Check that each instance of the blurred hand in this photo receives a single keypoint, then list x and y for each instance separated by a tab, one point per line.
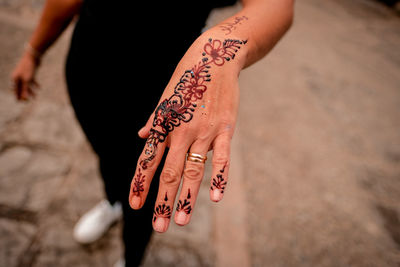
197	112
23	77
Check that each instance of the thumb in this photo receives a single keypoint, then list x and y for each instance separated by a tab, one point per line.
144	132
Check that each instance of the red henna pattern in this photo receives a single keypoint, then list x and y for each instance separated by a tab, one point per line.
162	210
180	106
219	181
138	183
185	204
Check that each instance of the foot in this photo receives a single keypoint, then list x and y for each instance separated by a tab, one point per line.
95	223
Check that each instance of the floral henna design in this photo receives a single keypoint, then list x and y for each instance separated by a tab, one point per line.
219	182
185	204
179	107
138	183
162	210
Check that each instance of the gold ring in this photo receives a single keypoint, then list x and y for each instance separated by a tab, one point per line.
196	158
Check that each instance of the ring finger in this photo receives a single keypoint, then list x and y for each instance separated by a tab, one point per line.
192	176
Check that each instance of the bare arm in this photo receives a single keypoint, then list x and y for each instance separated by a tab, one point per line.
56	16
272	18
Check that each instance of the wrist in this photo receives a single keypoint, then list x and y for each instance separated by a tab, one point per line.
238	61
32	54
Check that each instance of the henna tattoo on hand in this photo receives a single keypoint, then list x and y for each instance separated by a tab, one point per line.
162	210
228	27
179	107
219	181
185	204
138	183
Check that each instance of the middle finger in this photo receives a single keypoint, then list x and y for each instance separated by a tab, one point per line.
170	179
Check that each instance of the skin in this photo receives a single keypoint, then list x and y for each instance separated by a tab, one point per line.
211	127
213	115
55	17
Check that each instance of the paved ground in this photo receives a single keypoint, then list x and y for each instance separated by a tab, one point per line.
316	173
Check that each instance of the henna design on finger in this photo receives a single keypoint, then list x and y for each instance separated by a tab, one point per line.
162	210
180	106
185	204
219	181
138	183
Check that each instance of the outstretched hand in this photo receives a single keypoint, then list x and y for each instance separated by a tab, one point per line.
197	113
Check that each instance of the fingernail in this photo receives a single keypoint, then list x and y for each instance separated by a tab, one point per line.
216	195
135	202
160	225
181	218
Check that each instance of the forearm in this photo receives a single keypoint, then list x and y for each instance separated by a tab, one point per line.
56	16
261	22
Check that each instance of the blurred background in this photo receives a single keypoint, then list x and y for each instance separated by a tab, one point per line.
315	176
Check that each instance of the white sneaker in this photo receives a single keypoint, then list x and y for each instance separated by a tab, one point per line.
94	223
120	263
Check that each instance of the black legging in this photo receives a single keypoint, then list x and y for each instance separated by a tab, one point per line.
111	109
118	147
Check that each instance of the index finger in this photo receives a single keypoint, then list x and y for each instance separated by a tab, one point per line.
146	167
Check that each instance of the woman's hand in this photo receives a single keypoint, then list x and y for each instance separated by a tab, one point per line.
196	113
23	77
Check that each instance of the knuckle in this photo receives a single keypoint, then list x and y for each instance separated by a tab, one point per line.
219	158
203	139
223	141
205	132
193	172
169	176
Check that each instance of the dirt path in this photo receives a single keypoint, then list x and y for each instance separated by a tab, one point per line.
320	138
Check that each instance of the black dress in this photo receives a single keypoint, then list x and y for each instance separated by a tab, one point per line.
122	55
